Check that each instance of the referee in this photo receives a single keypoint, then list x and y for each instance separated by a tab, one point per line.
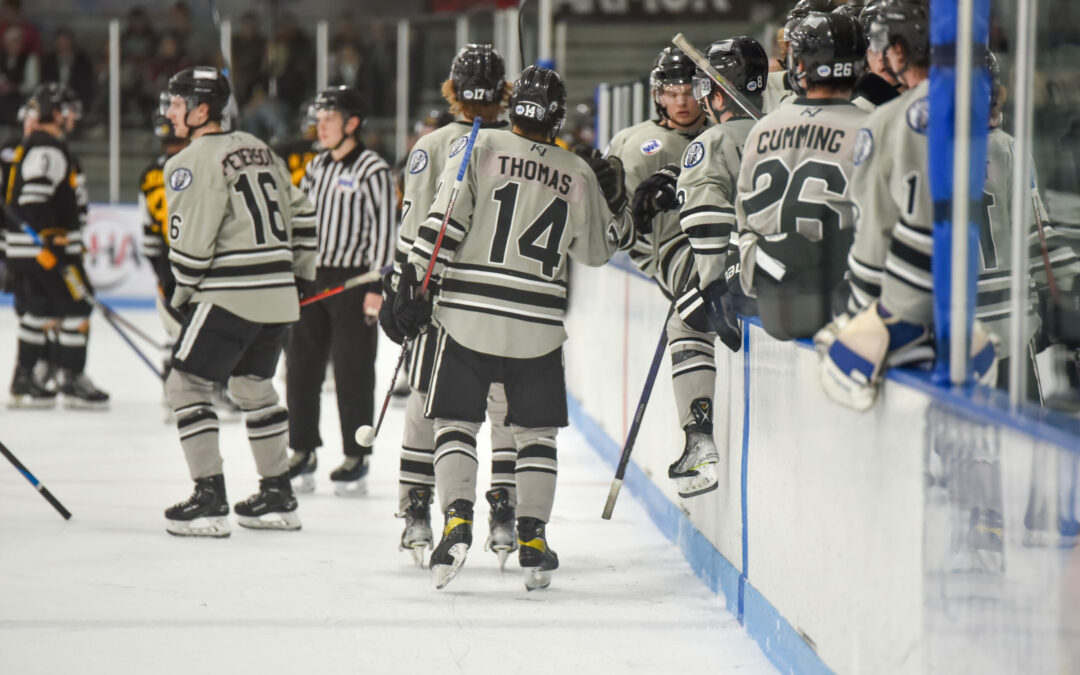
353	193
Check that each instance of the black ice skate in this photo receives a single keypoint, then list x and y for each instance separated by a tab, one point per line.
501	537
695	471
79	393
535	556
273	507
28	393
350	478
204	514
417	515
449	555
302	467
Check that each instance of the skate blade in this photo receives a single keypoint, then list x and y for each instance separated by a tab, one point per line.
704	481
76	403
271	521
217	526
503	554
417	552
536	578
351	489
444	574
22	402
304	483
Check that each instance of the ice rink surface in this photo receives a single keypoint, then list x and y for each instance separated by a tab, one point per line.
110	592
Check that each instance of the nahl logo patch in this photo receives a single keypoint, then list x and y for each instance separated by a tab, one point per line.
418	162
864	146
695	152
459	145
180	179
651	147
918	115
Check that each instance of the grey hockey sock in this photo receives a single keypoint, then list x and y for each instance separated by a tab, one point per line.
455	461
417	467
198	427
268	433
537	469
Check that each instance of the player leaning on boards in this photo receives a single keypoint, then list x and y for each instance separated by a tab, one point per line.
525	205
891	289
356	213
240	235
794	208
477	87
46	193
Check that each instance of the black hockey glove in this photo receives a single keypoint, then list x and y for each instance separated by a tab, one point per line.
305	288
725	301
412	310
609	175
386	312
655	194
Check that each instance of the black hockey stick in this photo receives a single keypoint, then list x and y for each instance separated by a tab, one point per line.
631	436
366	434
35	482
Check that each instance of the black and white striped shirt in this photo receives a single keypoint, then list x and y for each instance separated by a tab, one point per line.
356	208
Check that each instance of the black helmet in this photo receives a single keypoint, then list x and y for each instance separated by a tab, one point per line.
852	8
996	85
830	47
742	60
478	74
201	84
802	9
902	21
671	66
49	98
346	100
538	101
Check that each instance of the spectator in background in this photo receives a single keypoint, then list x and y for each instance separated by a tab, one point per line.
138	44
346	32
347	64
378	71
249	57
292	63
70	66
11	15
168	60
19	74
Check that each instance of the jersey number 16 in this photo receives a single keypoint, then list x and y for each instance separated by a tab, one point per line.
266	205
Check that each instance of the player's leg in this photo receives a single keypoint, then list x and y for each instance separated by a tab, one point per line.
502	497
457	399
416	477
536	407
693	379
305	367
353	346
32	306
267	421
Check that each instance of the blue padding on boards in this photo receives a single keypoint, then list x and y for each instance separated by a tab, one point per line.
6	300
780	642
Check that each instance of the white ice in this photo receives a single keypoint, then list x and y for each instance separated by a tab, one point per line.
110	592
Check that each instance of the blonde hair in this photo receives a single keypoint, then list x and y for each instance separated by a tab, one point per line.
489	112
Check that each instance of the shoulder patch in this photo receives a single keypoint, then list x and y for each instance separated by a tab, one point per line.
918	115
459	145
418	162
7	155
864	146
695	152
651	147
180	179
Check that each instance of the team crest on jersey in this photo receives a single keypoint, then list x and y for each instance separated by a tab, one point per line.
918	115
864	145
459	145
651	147
695	152
7	155
180	179
418	162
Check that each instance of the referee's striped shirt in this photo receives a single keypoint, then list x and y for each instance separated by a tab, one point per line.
356	209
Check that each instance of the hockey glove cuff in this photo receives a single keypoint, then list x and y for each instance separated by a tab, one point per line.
386	312
412	309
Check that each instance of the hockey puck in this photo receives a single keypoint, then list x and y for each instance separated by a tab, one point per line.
365	435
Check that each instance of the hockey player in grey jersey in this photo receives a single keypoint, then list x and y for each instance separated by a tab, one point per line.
794	206
476	87
877	85
240	235
525	207
890	262
693	250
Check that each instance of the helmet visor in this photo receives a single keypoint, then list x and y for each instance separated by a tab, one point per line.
879	37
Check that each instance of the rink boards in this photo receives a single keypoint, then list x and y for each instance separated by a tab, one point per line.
842	540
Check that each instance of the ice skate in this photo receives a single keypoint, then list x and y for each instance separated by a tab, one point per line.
417	515
535	556
28	393
501	538
449	555
204	514
78	392
350	479
302	467
695	471
273	507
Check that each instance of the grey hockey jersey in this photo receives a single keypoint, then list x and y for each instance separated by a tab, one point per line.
239	230
523	209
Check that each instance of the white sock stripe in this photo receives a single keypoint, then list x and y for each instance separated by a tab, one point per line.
31	336
199	427
269	432
537	463
180	412
417	456
510	452
33	321
192	331
72	322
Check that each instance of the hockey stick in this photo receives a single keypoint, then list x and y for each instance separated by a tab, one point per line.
109	311
124	336
359	280
700	61
639	414
366	434
35	482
